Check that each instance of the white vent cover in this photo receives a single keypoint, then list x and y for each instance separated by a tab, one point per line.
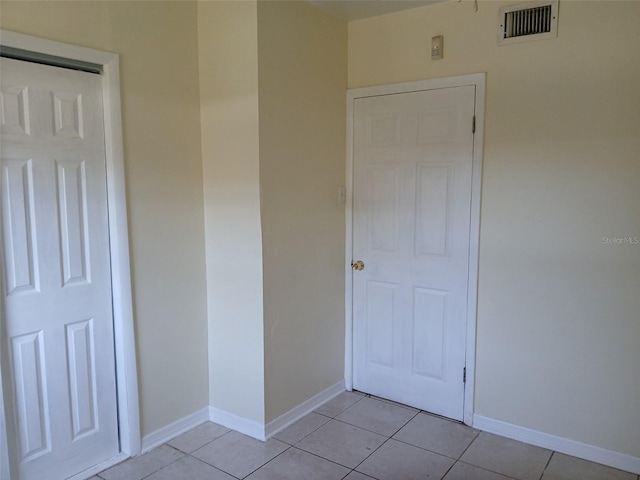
524	22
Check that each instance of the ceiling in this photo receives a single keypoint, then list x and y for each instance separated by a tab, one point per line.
356	9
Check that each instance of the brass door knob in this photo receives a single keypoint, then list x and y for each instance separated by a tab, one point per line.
358	265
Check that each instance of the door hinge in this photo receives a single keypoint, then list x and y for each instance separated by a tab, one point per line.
473	125
464	375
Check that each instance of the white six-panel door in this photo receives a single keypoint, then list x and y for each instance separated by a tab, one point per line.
411	222
57	285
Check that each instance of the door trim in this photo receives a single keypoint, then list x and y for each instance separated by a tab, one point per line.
125	353
478	80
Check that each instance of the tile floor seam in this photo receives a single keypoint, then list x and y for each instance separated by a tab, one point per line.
168	443
553	452
155	471
433	451
342	411
352	405
213	466
333	461
373	431
454	469
410	445
511	440
449	469
354	471
431	414
324	458
318	413
404	425
164	466
468	446
425	449
293	444
253	471
265	463
391	402
374	451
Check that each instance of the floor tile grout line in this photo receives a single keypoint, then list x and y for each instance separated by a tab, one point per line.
468	446
213	466
404	425
182	455
332	461
324	458
345	409
553	452
373	431
316	429
288	446
355	426
416	413
485	468
316	412
168	443
425	449
448	470
266	463
368	456
391	402
473	464
200	447
170	463
455	459
392	437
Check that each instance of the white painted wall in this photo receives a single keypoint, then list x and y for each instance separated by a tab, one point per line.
558	324
158	44
228	50
558	327
272	83
302	71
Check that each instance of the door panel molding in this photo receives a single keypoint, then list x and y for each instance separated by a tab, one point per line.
477	80
127	381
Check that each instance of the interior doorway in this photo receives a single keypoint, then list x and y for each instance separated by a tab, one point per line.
412	226
25	441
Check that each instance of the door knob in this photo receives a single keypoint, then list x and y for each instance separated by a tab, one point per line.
359	265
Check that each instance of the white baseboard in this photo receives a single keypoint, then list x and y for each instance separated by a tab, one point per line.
226	419
164	434
239	424
296	413
592	453
90	472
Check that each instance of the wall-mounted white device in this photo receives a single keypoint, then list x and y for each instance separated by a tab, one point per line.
437	44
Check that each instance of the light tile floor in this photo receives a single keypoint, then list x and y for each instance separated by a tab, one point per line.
357	437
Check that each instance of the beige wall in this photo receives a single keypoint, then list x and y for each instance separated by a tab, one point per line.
229	111
557	324
163	167
302	60
558	327
272	83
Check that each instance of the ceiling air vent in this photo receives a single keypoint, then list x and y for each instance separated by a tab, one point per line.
528	21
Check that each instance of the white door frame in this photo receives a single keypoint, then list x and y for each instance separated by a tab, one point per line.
478	80
126	369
